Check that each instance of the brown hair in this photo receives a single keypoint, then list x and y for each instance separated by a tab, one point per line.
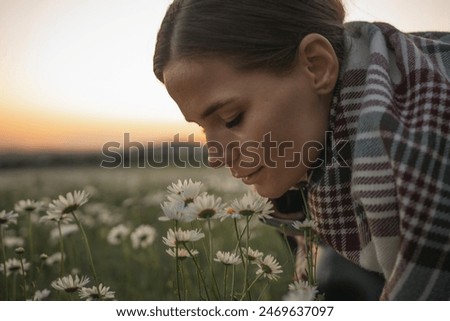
252	34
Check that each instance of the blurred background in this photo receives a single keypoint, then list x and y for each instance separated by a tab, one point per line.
77	74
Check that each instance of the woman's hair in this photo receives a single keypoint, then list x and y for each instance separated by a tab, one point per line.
251	34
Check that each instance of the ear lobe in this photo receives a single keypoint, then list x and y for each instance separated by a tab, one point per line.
318	56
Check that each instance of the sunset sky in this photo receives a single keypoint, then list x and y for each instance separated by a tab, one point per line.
75	74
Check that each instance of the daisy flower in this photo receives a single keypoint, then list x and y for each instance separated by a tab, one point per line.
175	210
117	234
14	266
65	230
227	258
61	218
205	207
185	191
307	223
7	218
13	241
254	256
301	291
269	268
94	293
40	295
28	206
68	204
69	283
179	236
53	259
250	204
182	253
143	236
263	206
229	212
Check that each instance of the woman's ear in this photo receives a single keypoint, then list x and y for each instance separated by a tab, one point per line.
318	58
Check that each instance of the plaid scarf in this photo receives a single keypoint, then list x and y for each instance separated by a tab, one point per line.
383	199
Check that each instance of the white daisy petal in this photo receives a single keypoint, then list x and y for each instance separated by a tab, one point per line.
143	236
101	293
205	207
301	291
14	266
69	283
227	258
182	253
307	223
250	204
269	268
175	210
7	218
185	191
180	237
117	234
28	206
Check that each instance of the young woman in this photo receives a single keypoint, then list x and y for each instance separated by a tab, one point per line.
287	93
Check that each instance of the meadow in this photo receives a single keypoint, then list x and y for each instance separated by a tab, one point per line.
131	197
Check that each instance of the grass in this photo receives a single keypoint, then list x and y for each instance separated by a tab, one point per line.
131	197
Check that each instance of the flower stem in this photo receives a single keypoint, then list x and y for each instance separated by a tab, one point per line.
88	249
61	250
291	255
177	266
14	286
263	290
183	281
247	262
24	280
4	262
202	277
211	268
232	282
251	285
225	282
30	236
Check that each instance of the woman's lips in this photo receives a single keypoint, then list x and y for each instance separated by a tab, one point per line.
250	178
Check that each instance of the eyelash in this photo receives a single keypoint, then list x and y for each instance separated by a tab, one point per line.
236	121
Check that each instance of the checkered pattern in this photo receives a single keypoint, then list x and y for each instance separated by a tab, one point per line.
389	210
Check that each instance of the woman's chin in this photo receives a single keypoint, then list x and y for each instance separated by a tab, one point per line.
269	191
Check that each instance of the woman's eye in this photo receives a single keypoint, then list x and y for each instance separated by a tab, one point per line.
235	121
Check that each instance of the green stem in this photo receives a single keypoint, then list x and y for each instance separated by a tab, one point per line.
30	236
88	249
24	280
202	277
291	255
4	262
232	282
263	290
14	286
61	250
199	285
251	285
247	262
183	282
225	282
211	268
315	263
177	264
308	252
305	203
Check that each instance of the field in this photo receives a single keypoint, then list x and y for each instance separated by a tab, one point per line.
131	197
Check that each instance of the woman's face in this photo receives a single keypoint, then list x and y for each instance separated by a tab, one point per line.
266	128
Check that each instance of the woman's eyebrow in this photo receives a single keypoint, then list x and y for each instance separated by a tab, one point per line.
215	106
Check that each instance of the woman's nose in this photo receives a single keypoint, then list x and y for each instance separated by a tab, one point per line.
222	154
